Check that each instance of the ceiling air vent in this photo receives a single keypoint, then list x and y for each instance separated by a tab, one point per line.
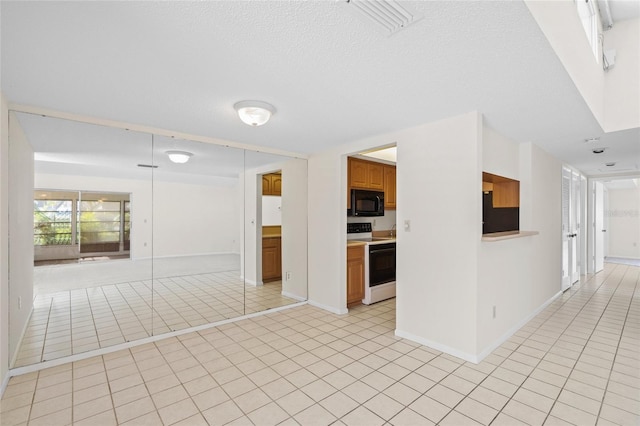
388	16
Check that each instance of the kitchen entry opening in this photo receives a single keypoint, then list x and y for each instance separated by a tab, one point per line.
71	226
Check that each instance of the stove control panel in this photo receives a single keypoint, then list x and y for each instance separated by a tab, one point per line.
358	228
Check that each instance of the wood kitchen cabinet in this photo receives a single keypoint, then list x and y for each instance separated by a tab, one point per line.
389	187
506	192
355	274
272	184
271	259
366	174
363	174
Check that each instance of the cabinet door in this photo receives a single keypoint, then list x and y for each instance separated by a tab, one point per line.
358	177
276	184
266	185
375	175
506	194
355	274
389	187
271	259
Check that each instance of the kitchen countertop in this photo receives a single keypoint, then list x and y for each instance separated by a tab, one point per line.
356	243
372	241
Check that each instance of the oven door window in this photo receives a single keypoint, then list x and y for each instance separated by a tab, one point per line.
382	264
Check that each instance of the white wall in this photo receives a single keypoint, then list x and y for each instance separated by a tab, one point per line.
195	219
294	225
520	276
294	228
271	210
621	82
251	251
500	155
327	231
21	233
561	25
174	218
4	243
624	223
437	259
613	96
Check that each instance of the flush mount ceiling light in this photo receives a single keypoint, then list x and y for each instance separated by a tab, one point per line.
254	113
179	157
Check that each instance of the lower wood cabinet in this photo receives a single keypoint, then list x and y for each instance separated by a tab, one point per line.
271	259
355	275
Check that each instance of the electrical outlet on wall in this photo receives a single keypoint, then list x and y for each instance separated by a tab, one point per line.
19	302
288	276
494	311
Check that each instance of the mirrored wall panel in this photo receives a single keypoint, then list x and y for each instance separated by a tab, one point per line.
120	235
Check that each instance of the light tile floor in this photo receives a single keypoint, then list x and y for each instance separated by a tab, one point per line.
576	363
75	321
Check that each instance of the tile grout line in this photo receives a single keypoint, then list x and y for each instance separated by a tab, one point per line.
605	281
604	395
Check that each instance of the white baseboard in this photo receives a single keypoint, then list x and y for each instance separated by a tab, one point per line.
103	351
293	296
328	308
183	255
253	283
487	351
437	346
3	385
14	356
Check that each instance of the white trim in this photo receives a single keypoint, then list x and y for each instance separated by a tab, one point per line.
213	253
437	346
4	384
476	359
148	129
331	309
78	357
293	296
14	356
483	354
254	283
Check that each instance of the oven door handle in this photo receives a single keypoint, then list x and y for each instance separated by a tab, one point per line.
377	251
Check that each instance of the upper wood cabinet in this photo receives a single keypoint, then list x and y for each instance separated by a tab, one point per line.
363	174
389	187
272	184
366	174
506	192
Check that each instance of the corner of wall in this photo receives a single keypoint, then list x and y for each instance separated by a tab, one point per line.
4	244
561	25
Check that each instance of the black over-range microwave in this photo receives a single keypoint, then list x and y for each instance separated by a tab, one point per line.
366	203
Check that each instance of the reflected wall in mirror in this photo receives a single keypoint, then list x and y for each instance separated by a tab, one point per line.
196	239
132	244
89	274
275	231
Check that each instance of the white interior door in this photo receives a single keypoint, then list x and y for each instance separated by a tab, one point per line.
598	227
566	233
574	229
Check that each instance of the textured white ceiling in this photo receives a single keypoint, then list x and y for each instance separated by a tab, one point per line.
182	65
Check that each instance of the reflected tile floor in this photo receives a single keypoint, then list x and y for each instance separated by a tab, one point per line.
75	321
576	363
